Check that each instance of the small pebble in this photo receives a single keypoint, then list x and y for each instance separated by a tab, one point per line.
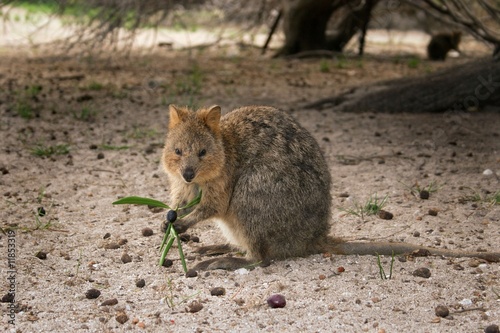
121	317
421	253
424	194
41	255
487	172
322	276
141	325
106	235
441	311
492	329
111	246
242	271
140	283
8	298
416	234
195	306
110	302
126	258
473	263
385	215
167	263
122	241
191	273
100	156
433	212
185	237
146	232
276	301
465	302
422	272
92	293
217	291
195	239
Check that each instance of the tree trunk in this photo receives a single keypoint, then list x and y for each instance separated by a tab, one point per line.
468	87
305	23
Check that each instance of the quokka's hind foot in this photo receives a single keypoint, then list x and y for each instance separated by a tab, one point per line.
227	263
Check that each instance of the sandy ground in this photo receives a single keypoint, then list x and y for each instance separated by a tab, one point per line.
107	119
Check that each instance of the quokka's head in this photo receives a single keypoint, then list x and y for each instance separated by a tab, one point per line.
193	148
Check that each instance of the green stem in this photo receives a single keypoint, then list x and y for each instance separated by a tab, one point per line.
181	254
167	248
167	232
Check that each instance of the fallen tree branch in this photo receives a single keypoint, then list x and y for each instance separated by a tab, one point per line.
462	88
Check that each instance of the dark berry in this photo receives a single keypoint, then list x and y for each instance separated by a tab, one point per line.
276	301
171	216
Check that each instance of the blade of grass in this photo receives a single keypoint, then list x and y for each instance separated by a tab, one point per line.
141	201
381	269
392	265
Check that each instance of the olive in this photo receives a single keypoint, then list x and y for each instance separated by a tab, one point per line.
171	216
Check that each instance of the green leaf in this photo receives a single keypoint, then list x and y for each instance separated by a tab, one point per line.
141	201
193	202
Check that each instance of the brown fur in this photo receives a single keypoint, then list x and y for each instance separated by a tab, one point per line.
442	43
263	179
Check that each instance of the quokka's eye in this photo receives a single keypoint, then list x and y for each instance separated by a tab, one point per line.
202	153
178	151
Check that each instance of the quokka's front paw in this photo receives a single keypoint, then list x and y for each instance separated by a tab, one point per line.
178	226
164	226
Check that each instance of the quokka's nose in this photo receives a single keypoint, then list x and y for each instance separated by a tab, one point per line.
188	174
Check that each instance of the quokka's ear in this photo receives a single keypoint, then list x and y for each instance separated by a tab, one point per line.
211	117
176	115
